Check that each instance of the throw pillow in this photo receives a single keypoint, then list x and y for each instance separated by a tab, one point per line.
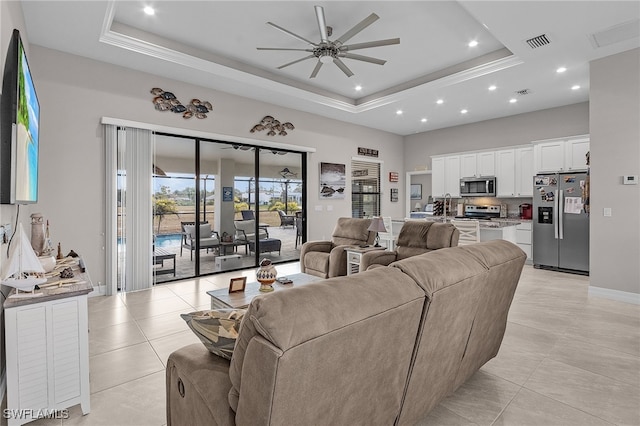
205	230
217	329
190	230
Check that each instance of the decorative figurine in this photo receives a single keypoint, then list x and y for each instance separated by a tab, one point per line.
37	233
60	256
266	275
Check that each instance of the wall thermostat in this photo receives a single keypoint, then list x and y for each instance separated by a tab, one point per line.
630	179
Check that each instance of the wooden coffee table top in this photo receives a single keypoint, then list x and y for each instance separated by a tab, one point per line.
221	298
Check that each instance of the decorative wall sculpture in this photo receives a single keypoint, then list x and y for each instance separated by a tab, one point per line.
273	126
167	101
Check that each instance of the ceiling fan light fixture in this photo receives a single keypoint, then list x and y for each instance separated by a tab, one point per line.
326	57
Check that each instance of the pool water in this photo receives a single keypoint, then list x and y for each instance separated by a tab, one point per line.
168	240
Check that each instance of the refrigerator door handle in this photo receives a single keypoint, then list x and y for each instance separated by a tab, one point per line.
560	214
555	216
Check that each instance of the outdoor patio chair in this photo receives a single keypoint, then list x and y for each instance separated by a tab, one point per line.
286	220
208	239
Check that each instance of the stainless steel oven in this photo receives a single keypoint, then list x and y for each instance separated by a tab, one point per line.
478	187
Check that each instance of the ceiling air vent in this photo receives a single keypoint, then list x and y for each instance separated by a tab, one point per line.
538	41
522	92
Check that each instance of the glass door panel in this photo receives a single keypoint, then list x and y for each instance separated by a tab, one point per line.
174	208
280	205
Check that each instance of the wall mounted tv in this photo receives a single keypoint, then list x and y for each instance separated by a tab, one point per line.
19	129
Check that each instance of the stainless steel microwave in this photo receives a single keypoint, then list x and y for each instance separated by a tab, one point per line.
478	187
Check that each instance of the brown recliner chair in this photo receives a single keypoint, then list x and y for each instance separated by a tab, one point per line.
416	237
328	259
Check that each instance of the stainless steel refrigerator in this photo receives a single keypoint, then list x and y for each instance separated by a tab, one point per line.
560	223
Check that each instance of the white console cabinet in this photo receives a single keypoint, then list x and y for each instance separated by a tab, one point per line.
47	353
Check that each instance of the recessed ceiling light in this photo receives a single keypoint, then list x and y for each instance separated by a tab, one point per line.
424	120
473	43
492	87
439	101
561	70
149	10
513	100
358	88
575	87
463	111
399	112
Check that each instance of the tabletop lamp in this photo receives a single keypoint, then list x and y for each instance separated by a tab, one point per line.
377	225
418	207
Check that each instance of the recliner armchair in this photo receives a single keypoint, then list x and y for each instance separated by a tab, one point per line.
328	259
416	237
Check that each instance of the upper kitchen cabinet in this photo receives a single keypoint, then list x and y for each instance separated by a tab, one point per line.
575	153
524	172
505	173
445	176
477	164
561	155
514	172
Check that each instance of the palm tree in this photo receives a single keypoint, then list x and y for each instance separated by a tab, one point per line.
163	206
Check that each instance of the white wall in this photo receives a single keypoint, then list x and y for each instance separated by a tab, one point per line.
75	93
615	151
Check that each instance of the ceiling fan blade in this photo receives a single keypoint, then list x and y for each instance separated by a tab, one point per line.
342	66
322	24
296	61
362	58
291	34
316	69
284	48
368	44
358	27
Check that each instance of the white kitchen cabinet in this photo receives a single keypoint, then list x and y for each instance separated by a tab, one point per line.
468	167
505	173
549	156
524	172
452	175
47	348
486	163
523	238
437	177
575	154
561	155
477	164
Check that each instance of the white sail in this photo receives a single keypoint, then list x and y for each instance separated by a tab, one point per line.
22	260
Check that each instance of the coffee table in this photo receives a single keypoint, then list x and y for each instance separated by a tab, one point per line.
222	299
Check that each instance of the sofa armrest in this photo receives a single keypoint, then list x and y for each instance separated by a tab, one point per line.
311	246
338	261
377	257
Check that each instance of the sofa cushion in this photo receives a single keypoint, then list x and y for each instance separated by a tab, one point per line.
217	329
351	231
317	261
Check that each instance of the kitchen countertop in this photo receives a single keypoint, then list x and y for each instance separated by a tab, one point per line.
495	223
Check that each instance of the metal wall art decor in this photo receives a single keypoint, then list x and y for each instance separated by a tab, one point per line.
167	101
273	126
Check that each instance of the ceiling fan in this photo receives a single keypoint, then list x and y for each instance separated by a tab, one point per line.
332	51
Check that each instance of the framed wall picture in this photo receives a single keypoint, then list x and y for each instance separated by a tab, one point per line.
394	195
393	177
227	193
333	180
237	284
416	191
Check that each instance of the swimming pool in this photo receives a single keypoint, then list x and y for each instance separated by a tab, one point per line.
168	240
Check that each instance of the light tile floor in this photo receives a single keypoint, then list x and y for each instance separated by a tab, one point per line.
566	359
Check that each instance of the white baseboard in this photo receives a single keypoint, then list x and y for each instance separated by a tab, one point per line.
621	296
99	290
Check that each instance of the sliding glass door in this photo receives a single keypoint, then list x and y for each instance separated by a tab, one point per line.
185	207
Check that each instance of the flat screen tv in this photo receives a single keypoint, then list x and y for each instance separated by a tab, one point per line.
19	129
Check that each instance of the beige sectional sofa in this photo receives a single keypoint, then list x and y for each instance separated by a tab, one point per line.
381	347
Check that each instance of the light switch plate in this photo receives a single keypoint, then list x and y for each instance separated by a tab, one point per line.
630	180
606	211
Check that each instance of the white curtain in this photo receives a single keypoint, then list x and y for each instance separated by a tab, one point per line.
129	190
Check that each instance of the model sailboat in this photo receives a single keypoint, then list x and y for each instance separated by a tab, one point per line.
23	262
